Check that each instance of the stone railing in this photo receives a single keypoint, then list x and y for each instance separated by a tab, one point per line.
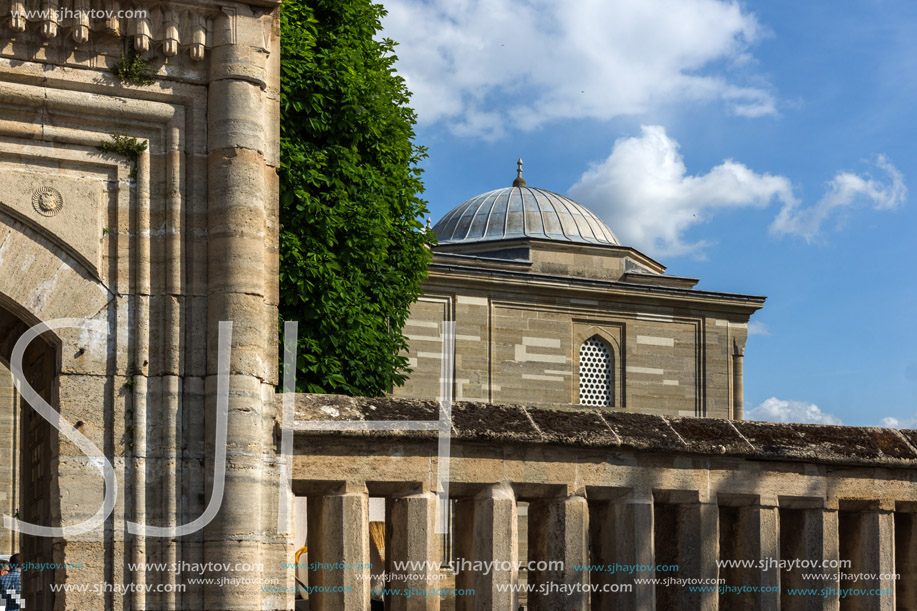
606	487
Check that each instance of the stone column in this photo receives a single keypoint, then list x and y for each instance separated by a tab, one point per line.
338	535
759	541
413	540
623	534
486	531
906	560
558	531
496	540
868	539
240	193
817	540
822	530
698	551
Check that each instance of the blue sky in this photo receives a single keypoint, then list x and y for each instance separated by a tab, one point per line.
765	148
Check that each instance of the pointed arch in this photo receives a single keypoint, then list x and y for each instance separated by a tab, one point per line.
596	373
40	281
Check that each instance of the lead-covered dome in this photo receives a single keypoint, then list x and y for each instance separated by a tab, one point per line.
521	211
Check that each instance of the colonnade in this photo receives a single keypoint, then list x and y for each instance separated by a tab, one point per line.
646	529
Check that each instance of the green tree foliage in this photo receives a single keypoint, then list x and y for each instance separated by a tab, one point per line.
352	252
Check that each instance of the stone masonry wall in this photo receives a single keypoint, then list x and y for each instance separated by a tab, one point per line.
523	346
159	249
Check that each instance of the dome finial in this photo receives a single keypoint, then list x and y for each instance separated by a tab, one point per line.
519	182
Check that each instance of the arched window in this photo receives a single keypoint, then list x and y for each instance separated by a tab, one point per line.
596	378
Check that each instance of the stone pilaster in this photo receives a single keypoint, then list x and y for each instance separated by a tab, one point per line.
494	539
414	540
558	531
623	534
9	457
868	539
738	382
698	551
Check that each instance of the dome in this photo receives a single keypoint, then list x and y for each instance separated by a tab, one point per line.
522	211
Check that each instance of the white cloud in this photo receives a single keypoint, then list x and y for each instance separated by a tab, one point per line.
645	194
482	65
643	191
846	190
897	423
780	410
758	328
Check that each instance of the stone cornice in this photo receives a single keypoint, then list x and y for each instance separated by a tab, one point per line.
599	250
444	275
169	28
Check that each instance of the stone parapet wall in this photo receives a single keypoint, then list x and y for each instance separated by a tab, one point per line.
618	430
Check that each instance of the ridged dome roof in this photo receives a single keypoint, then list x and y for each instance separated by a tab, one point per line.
521	211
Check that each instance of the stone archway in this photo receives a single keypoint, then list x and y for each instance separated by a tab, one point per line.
72	371
28	444
160	246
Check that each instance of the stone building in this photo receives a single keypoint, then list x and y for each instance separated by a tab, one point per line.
550	308
117	269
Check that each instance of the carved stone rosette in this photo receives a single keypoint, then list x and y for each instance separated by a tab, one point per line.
47	201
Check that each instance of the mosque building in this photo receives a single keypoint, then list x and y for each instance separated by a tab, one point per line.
550	308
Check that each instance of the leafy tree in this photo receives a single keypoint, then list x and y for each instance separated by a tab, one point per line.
352	250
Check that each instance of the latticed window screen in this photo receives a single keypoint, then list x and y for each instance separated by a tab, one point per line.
596	383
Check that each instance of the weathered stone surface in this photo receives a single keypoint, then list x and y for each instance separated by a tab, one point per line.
506	423
585	427
155	248
710	436
344	408
559	531
644	432
412	539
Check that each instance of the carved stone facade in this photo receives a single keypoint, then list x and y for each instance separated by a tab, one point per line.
527	293
159	250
